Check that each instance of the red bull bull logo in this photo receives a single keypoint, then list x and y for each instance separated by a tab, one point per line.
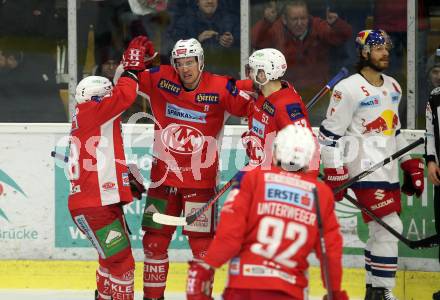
386	123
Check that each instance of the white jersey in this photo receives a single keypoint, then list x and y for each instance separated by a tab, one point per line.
367	118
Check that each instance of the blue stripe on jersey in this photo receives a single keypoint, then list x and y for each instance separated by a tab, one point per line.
329	134
375	185
386	274
367	255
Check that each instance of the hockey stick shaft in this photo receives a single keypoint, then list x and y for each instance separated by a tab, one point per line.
341	75
191	218
325	266
379	165
429	242
369	213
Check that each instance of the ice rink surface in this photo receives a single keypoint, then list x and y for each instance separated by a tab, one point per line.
77	295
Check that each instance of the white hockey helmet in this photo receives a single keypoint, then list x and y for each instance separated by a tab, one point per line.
293	148
188	48
271	61
92	88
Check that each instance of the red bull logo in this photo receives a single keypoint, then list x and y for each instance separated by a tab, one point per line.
386	123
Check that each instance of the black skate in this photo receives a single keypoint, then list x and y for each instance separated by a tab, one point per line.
436	296
368	288
379	293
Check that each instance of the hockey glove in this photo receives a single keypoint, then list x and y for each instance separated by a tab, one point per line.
136	181
334	178
200	280
133	58
413	178
338	295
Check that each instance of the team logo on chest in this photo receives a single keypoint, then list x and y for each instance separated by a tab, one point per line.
182	139
208	98
169	86
269	108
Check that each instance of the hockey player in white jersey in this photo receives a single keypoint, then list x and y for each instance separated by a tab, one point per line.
361	128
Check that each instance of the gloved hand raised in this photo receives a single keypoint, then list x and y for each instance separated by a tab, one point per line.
139	54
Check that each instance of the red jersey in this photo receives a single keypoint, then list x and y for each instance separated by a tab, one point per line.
189	125
97	169
268	227
269	116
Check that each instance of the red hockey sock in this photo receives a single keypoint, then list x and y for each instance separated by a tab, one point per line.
122	286
155	277
103	284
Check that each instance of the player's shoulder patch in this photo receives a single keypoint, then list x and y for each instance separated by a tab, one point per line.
269	108
231	87
154	69
294	111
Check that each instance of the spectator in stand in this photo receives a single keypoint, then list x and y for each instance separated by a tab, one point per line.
217	30
305	42
433	70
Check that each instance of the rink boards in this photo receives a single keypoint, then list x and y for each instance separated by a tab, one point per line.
35	223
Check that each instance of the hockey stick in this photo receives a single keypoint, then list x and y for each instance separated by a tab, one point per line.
379	164
341	75
183	221
325	267
429	242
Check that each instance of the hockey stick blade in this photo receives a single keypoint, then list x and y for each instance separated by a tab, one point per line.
429	242
169	220
188	220
379	164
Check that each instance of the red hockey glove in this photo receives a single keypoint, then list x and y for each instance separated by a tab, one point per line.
413	179
200	280
136	181
334	178
338	295
133	58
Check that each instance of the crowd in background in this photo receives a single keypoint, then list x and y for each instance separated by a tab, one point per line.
316	36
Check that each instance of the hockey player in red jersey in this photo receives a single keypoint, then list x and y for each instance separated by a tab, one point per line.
268	227
278	104
190	107
100	179
363	124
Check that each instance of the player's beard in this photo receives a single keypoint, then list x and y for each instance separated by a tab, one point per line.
375	64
